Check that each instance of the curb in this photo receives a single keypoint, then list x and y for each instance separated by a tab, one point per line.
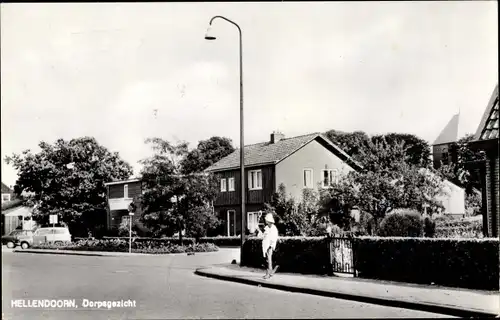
104	254
420	306
66	253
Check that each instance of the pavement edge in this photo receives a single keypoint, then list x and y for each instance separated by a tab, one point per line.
420	306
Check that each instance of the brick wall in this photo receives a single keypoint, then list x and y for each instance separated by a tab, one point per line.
492	196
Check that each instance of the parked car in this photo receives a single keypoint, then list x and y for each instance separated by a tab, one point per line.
23	238
51	234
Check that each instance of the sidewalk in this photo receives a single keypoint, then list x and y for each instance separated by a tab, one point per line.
451	301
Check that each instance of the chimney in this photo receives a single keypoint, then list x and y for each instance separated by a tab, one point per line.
276	136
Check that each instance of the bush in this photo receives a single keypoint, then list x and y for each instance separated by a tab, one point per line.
174	240
406	223
120	245
429	227
222	241
308	255
463	228
465	263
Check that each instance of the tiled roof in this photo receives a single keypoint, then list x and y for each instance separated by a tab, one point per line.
5	189
450	132
488	127
271	153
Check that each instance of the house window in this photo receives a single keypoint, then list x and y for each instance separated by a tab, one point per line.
231	184
308	178
223	186
255	179
5	197
125	191
253	220
330	176
445	158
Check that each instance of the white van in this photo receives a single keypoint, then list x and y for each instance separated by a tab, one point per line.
51	234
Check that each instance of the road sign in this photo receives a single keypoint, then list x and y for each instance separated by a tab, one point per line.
53	218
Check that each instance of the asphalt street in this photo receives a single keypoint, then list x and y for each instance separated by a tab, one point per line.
162	287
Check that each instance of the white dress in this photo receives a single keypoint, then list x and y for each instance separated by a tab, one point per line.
270	238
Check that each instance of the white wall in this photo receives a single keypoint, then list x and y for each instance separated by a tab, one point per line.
314	156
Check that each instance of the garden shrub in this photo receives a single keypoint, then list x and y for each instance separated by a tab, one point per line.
429	227
465	263
308	255
407	223
222	241
120	245
463	228
173	240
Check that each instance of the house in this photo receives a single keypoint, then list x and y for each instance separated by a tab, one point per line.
452	198
7	193
120	195
486	139
444	149
299	162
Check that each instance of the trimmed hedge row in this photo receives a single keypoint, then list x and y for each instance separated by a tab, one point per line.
222	241
465	263
120	245
172	240
293	254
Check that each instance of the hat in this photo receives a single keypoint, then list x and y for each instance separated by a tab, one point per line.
269	218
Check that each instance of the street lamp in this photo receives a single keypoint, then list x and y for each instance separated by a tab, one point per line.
209	36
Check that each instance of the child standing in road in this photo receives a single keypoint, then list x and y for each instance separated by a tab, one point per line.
269	240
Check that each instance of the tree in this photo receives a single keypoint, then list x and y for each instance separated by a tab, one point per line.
289	220
418	151
56	188
353	143
458	171
388	182
206	153
172	200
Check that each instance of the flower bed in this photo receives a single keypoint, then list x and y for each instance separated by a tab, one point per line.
120	245
465	263
308	255
464	228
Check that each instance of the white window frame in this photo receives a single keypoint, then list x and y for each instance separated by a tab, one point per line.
223	185
304	178
258	184
254	221
125	191
230	183
332	177
6	195
229	222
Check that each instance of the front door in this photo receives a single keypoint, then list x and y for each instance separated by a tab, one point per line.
231	223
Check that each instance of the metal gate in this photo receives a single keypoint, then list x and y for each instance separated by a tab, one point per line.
342	255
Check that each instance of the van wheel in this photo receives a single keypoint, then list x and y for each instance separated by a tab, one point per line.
25	245
10	245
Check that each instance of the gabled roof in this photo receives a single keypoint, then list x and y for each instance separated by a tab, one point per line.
272	153
450	132
488	127
122	182
6	189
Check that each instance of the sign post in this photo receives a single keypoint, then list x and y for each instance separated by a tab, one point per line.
131	211
53	219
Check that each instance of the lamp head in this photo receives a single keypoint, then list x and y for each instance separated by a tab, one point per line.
209	35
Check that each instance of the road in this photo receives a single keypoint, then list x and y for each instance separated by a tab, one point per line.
163	287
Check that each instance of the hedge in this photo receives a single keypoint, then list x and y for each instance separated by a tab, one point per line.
465	263
120	245
173	240
222	241
307	255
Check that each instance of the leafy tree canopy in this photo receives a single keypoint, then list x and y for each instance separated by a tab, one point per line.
67	178
206	153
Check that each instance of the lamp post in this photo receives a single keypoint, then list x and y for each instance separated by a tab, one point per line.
208	36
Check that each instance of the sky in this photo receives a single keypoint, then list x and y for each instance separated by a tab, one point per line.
123	72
